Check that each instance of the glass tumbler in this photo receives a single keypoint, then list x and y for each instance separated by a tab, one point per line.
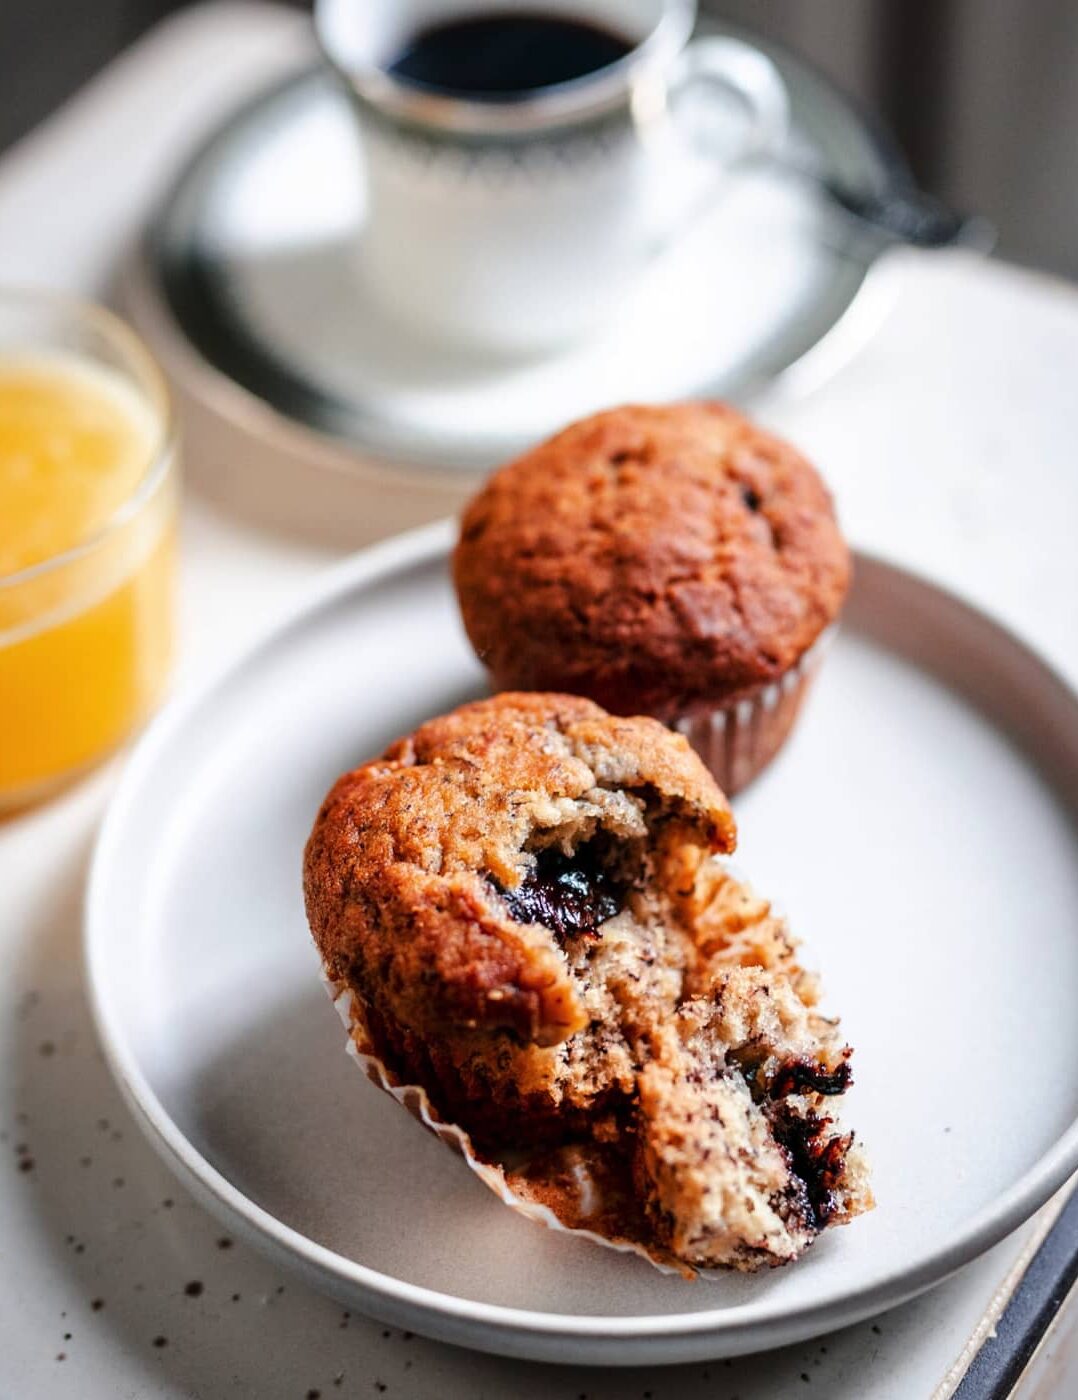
88	511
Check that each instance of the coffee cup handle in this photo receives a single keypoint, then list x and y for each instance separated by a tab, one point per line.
752	78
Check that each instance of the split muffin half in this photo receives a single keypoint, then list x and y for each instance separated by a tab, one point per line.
525	901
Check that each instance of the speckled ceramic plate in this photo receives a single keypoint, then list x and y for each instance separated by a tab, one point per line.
919	830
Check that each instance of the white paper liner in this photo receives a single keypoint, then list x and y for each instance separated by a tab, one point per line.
738	741
416	1101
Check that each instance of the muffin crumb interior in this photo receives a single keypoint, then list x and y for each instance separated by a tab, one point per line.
703	1060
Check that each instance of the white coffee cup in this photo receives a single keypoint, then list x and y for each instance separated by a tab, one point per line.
514	226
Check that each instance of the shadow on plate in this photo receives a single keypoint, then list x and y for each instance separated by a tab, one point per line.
290	1120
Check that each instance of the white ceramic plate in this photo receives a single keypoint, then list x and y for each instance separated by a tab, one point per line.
919	830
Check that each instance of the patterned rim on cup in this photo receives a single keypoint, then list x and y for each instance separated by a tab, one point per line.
572	103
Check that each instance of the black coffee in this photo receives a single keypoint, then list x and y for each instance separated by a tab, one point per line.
506	55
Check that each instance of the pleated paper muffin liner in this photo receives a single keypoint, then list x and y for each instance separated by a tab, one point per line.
738	740
493	1175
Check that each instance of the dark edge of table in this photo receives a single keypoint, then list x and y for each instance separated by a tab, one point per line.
1033	1306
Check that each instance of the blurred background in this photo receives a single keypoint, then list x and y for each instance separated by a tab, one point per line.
980	93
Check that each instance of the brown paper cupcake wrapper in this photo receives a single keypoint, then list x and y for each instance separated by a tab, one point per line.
739	740
416	1100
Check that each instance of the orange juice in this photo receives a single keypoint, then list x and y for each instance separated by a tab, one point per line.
87	527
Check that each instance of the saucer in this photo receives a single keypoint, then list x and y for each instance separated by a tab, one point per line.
249	288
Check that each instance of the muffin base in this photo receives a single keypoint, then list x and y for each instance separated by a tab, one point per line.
739	739
570	1195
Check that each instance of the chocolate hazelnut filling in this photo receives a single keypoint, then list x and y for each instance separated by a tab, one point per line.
570	895
816	1158
751	498
801	1075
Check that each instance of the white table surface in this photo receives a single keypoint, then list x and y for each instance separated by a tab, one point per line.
950	445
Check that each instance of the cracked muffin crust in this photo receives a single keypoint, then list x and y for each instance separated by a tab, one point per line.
668	560
524	901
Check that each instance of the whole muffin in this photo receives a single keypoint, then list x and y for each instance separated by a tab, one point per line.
675	561
520	903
